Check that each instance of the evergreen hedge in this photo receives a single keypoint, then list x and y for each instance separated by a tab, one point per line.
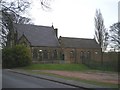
16	56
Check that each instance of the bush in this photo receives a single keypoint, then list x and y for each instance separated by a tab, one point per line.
16	56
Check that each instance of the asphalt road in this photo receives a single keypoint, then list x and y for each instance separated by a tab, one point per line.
15	80
0	78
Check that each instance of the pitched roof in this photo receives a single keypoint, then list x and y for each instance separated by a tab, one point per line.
37	35
78	42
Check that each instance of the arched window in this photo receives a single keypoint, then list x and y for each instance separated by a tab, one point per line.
45	54
81	55
72	54
61	55
40	54
24	43
35	53
55	54
88	55
96	52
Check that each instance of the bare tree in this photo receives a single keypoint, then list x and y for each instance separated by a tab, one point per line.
20	19
101	34
11	11
114	36
45	4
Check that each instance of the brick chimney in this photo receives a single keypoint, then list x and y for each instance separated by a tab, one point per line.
56	31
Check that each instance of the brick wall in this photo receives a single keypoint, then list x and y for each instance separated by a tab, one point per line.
45	54
73	55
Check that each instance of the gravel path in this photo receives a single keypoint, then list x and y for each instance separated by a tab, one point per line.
97	76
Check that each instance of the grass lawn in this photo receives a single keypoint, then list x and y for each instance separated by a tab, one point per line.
65	67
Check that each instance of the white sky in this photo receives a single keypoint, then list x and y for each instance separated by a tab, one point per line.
74	18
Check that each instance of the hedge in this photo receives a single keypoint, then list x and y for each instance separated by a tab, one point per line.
16	56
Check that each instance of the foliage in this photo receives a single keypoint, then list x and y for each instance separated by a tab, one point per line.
101	34
16	56
114	36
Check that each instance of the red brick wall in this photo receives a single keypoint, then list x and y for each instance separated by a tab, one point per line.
95	54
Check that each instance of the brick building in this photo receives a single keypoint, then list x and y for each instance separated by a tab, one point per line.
79	50
47	48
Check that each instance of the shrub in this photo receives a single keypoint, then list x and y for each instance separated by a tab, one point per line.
7	57
16	56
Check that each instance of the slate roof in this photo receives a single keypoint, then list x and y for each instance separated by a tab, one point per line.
37	35
78	42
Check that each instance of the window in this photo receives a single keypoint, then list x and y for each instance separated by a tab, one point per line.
40	54
61	56
45	54
81	55
85	55
55	54
96	52
88	55
72	54
35	53
24	43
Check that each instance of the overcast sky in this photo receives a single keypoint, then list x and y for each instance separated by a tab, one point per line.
74	18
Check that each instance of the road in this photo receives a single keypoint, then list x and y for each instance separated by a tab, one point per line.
15	80
0	78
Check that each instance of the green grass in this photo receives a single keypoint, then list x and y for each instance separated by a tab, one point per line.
65	67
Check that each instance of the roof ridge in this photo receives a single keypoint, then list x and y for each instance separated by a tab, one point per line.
37	35
77	38
33	25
